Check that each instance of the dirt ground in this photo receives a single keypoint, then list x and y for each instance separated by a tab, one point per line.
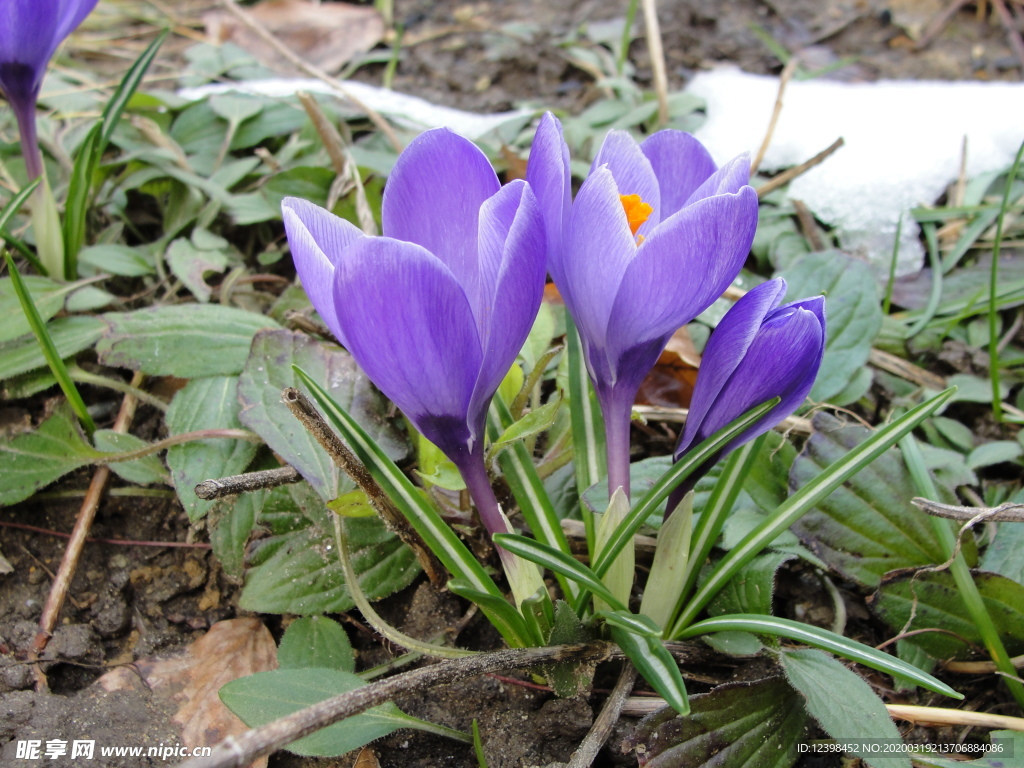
130	601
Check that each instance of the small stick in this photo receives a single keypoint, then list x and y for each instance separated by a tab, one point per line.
118	542
787	73
312	70
787	176
1004	513
208	490
678	416
657	52
941	716
906	370
979	667
803	215
68	564
938	23
241	750
1016	42
586	753
306	412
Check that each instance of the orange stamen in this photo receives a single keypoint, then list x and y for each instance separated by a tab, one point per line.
637	211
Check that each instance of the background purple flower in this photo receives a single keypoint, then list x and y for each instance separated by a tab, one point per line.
30	31
631	280
759	350
436	310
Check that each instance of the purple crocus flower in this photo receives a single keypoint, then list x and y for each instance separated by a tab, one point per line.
655	235
759	350
30	31
436	310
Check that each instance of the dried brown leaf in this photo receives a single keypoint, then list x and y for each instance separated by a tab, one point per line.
327	35
191	678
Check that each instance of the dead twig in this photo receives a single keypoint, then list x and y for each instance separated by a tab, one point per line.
241	750
787	73
1004	513
906	370
306	412
939	716
787	176
598	734
678	416
657	52
68	564
208	490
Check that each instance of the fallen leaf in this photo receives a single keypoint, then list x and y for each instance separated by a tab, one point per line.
367	758
192	677
327	35
670	383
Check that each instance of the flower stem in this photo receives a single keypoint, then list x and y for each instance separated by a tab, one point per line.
26	117
618	412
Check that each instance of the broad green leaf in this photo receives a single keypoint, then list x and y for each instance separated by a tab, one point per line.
316	641
996	452
754	725
569	679
643	475
842	703
854	314
205	403
819	638
531	424
655	664
48	296
191	265
1005	555
231	522
268	371
937	604
868	526
752	588
734	643
266	696
296	568
767	482
144	471
70	335
184	340
1005	750
35	459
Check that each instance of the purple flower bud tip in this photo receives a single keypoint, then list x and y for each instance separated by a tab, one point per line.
30	31
760	350
435	310
656	233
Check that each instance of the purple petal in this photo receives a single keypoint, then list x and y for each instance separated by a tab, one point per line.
632	172
730	342
433	198
317	238
512	239
728	179
782	361
681	269
681	164
410	328
27	33
599	250
549	177
72	13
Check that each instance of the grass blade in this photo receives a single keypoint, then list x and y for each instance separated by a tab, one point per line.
819	638
590	459
803	500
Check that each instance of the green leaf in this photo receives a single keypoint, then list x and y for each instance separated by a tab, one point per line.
505	618
655	664
752	588
937	603
191	265
1005	555
70	335
996	452
569	679
854	314
33	460
47	295
587	422
144	471
637	624
558	562
231	522
819	638
842	703
867	527
296	569
183	340
754	725
266	696
531	424
316	641
643	475
269	370
205	403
